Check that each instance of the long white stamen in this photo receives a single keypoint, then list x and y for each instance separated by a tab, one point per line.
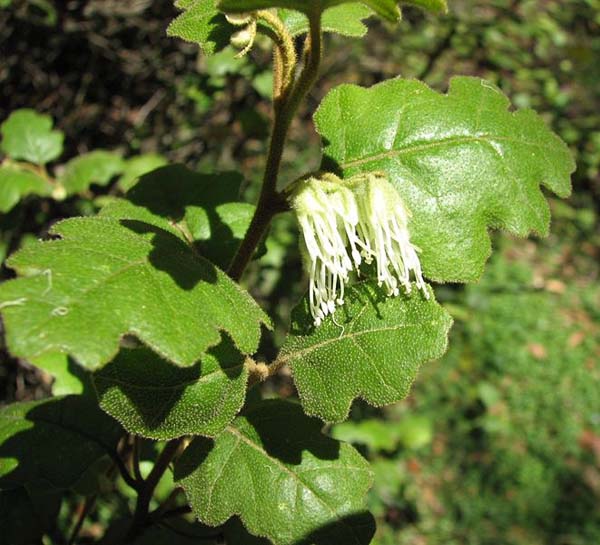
346	223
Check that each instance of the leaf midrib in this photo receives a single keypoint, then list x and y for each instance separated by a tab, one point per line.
245	439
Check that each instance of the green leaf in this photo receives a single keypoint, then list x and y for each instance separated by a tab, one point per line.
97	167
201	208
285	480
25	517
462	163
346	20
136	167
373	349
107	278
16	183
376	434
69	378
154	399
28	135
201	23
49	444
388	9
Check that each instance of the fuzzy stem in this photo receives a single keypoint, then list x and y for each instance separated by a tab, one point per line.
270	201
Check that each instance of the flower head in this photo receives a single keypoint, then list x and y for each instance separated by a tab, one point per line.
345	223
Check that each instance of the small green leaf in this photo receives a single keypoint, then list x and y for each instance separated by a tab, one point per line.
462	163
155	399
388	9
375	434
285	480
49	444
201	207
136	167
110	277
97	167
201	23
346	20
69	378
29	136
373	349
16	183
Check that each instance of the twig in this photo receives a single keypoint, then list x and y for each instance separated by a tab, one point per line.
88	505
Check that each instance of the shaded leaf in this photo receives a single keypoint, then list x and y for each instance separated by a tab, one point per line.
16	183
298	485
97	167
199	208
373	351
28	135
155	399
462	163
203	24
49	444
110	277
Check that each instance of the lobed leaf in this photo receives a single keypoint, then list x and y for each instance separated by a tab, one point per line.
49	444
29	136
203	24
152	398
16	183
372	350
97	167
297	485
462	163
109	277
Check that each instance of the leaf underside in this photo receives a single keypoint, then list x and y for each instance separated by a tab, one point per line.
462	163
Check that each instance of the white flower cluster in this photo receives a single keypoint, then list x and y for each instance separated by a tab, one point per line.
346	222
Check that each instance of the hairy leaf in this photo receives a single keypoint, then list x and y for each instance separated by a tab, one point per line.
285	480
110	277
16	183
155	399
462	163
49	444
372	350
28	135
96	167
203	24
